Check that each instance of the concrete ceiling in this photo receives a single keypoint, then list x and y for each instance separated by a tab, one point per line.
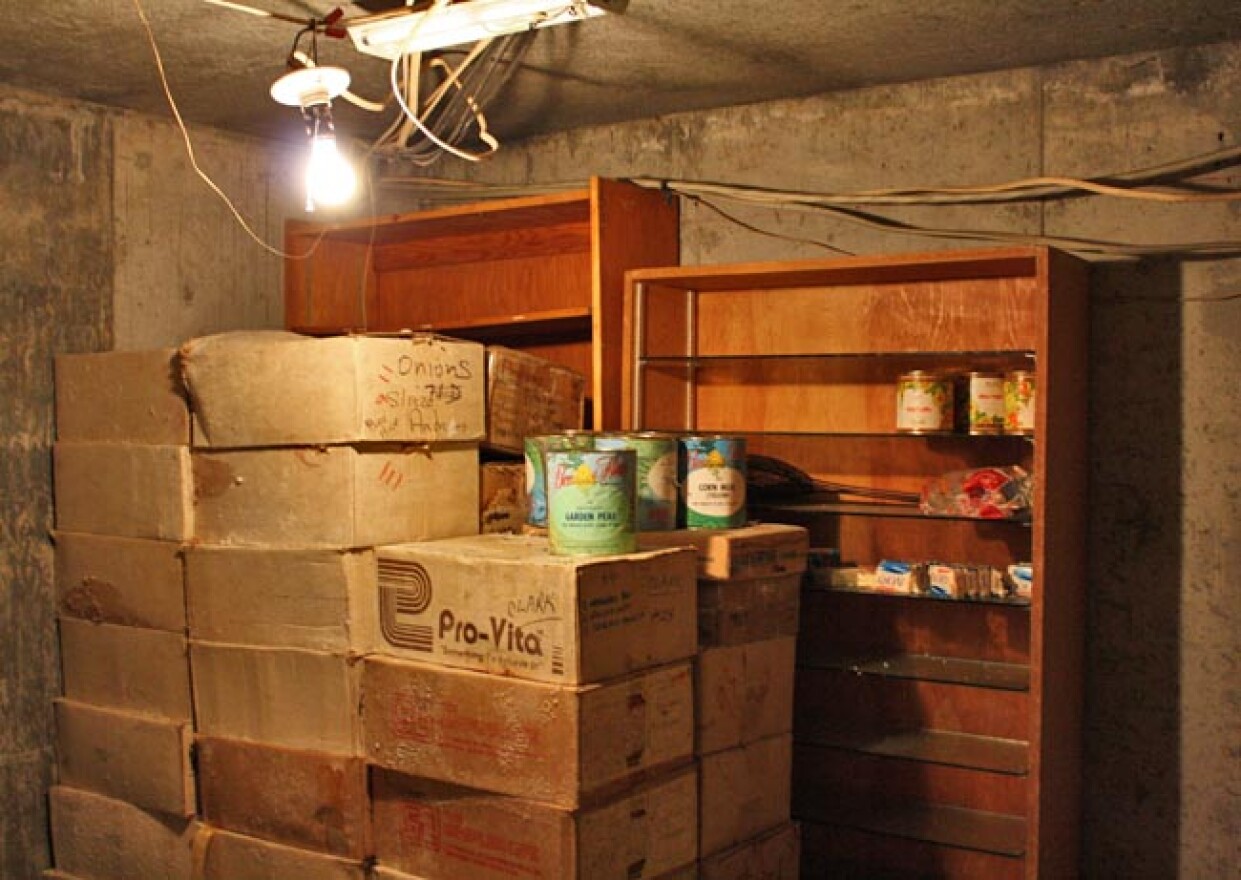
661	56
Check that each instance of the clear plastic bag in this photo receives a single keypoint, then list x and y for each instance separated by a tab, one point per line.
982	493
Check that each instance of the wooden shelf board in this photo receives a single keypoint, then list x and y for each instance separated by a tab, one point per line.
947	747
926	667
1013	601
904	511
553	322
918	354
947	826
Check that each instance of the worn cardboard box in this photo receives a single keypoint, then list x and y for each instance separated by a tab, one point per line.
528	395
501	497
754	551
281	389
226	856
122	396
125	489
743	792
544	742
743	693
282	696
126	667
336	496
441	832
100	838
319	599
504	604
748	610
773	855
127	581
125	755
312	800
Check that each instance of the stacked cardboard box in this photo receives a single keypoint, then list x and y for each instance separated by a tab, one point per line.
748	591
308	453
124	510
533	716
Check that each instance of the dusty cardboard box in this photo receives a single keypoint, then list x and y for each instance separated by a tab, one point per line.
227	856
281	389
743	792
528	395
127	581
336	496
439	832
743	693
282	696
501	497
122	396
101	838
760	550
551	743
125	755
313	800
504	604
318	599
126	489
773	855
126	667
748	610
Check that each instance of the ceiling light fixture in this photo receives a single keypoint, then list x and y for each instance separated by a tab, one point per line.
409	31
330	179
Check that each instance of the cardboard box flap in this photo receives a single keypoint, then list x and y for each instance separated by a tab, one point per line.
101	838
228	856
128	581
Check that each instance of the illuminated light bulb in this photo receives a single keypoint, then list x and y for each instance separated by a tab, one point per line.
330	178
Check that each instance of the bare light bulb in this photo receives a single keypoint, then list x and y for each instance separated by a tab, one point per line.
330	179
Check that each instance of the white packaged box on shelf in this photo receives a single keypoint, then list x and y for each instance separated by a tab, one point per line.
122	397
281	389
126	581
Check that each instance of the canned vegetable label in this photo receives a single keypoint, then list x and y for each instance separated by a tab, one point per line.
656	479
986	403
1019	402
713	477
923	403
590	500
536	449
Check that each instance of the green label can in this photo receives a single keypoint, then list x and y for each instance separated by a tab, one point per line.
536	449
713	482
657	476
590	502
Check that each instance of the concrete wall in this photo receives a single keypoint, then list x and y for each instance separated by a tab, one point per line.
108	241
1163	722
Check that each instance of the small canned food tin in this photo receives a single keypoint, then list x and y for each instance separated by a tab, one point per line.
1019	402
590	502
924	403
713	471
536	449
984	403
657	476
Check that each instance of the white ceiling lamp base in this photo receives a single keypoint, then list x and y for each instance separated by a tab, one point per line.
402	32
310	86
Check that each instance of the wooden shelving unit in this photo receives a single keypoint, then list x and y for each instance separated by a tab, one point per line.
544	274
934	737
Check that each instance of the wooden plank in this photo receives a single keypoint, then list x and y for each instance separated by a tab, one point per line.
924	667
850	854
477	247
927	746
981	831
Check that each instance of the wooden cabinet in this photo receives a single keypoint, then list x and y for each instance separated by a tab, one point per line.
544	274
934	737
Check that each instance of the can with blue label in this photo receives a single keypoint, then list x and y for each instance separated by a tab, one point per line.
712	473
656	479
590	502
536	449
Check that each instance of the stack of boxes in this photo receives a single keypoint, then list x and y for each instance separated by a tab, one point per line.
748	595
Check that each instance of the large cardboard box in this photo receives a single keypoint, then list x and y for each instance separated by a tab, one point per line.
336	496
743	792
124	755
551	743
99	838
282	389
501	497
319	599
127	581
505	604
748	610
743	693
754	551
126	667
126	489
773	855
282	696
442	832
122	396
226	856
312	800
528	395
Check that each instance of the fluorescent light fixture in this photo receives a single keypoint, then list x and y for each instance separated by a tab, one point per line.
403	31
